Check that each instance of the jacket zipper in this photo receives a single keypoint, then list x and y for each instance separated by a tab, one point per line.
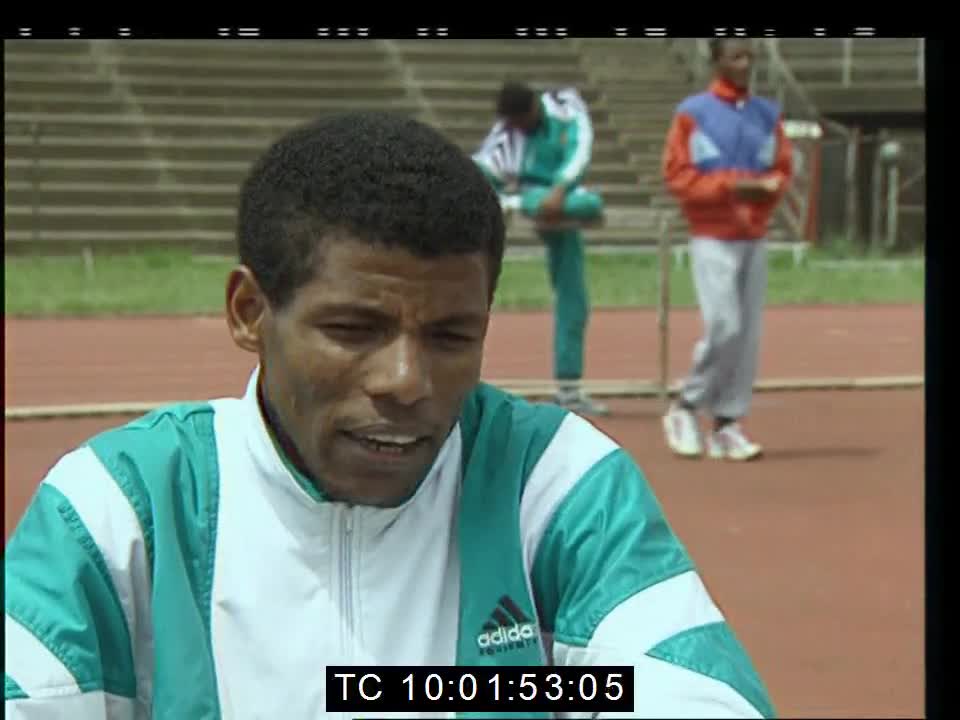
346	582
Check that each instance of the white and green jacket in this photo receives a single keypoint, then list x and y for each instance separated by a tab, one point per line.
178	568
558	152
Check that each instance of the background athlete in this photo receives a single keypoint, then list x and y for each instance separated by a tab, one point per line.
537	155
728	163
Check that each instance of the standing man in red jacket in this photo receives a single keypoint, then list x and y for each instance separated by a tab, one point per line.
728	163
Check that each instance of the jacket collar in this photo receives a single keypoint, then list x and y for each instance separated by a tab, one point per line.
726	90
273	465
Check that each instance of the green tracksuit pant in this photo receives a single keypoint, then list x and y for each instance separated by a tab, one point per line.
565	261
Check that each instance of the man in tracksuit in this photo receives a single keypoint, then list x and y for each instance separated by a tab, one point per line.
728	163
536	156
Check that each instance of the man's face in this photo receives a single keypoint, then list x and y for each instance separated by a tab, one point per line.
525	122
736	62
367	366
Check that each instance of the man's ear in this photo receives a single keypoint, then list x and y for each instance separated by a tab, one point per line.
247	308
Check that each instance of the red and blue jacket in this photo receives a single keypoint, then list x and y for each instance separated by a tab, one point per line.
717	138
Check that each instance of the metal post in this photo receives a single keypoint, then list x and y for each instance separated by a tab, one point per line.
663	307
847	69
921	61
773	52
876	200
853	195
34	189
702	59
893	204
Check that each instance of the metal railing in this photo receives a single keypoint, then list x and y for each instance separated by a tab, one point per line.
791	93
896	172
798	105
848	61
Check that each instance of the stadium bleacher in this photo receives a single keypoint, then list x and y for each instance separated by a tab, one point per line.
117	144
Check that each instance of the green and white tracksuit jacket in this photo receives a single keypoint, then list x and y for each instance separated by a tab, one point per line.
557	153
178	568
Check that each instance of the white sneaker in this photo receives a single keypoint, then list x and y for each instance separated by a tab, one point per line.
683	432
729	443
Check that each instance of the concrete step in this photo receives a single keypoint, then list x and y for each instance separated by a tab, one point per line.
639	121
620	172
70	242
122	124
835	100
666	102
506	46
632	125
636	218
642	91
242	67
609	237
260	67
626	194
499	73
61	175
861	98
456	112
603	151
129	171
642	106
138	201
178	86
792	48
464	129
116	218
213	149
629	122
21	62
832	72
624	69
88	83
520	53
859	75
879	62
644	63
60	104
649	159
123	219
646	142
618	183
206	106
613	44
132	147
47	47
485	90
147	170
152	193
248	49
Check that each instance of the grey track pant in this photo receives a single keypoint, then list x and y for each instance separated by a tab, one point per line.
730	278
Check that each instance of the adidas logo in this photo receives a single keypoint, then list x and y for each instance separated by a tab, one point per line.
507	629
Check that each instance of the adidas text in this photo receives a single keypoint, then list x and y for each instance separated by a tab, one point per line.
507	638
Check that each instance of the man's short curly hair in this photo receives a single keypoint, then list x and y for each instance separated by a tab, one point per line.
377	177
515	98
717	46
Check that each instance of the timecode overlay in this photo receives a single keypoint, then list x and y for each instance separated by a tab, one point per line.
479	689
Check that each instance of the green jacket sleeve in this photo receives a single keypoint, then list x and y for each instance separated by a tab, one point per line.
578	145
68	640
616	587
488	157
